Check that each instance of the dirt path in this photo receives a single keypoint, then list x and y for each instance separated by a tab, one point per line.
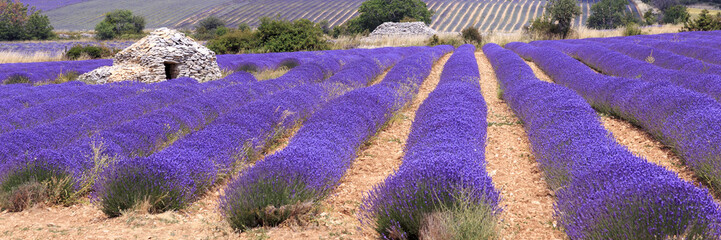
526	200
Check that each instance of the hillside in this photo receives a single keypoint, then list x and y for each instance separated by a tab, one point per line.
451	15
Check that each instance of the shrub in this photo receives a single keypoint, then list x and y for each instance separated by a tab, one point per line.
675	14
23	196
17	78
632	29
93	52
472	36
375	12
243	27
435	41
705	22
18	22
119	23
235	41
277	35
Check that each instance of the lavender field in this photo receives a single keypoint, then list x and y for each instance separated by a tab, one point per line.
499	142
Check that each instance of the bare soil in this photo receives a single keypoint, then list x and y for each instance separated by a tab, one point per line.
526	200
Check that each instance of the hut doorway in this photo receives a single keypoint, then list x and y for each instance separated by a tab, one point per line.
171	70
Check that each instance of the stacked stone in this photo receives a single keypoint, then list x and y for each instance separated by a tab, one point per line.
403	29
147	60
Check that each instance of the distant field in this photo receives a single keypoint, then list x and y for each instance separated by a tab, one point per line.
694	12
451	15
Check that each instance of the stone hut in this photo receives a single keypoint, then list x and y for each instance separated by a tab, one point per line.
162	55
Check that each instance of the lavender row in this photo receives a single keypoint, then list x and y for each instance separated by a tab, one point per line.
602	190
42	94
444	161
78	100
684	120
48	71
64	131
617	64
661	58
180	173
319	154
153	131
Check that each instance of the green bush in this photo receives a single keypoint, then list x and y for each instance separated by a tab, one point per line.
243	27
632	29
675	14
278	35
19	22
375	12
472	36
705	22
93	52
235	41
17	78
120	23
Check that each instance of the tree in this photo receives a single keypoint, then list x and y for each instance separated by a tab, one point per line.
375	12
119	22
561	13
210	23
19	22
607	14
675	14
705	22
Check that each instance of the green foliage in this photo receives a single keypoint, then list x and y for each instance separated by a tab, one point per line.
93	52
632	29
543	28
676	14
609	14
472	36
14	79
135	189
119	23
235	41
375	12
243	27
649	18
18	22
325	26
561	13
209	28
705	22
20	188
278	35
210	23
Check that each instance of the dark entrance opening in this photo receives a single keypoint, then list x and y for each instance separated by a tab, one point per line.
171	70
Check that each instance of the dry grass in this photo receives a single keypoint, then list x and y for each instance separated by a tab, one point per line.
23	57
271	73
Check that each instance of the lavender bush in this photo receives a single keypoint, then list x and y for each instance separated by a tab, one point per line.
603	191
